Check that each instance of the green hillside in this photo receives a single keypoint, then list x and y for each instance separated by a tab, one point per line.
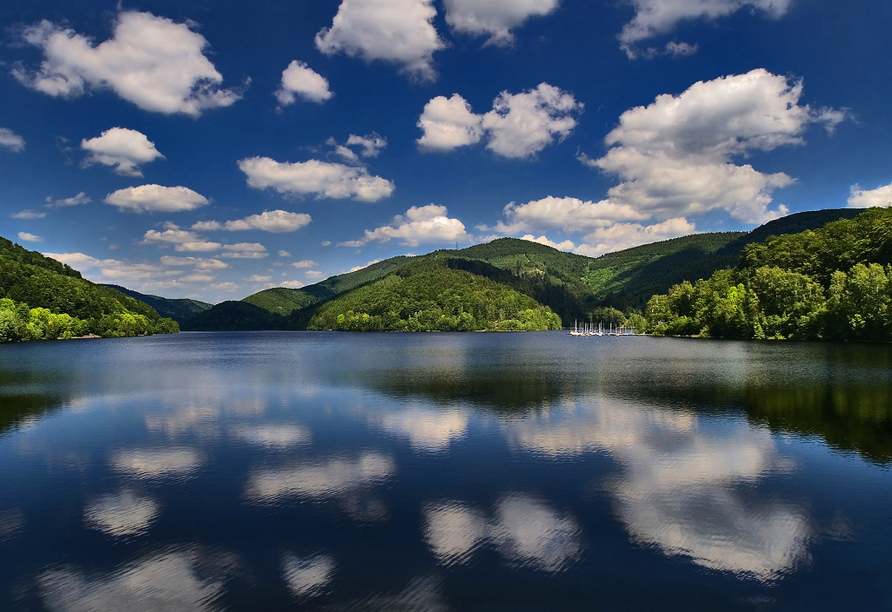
177	309
428	295
233	316
833	283
572	286
41	298
281	300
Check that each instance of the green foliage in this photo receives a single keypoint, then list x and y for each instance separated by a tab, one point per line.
176	309
233	316
64	304
832	283
431	296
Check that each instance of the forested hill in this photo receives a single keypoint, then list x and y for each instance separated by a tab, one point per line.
41	298
571	285
429	295
177	309
832	283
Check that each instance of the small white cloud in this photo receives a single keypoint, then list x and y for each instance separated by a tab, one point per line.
122	148
680	49
11	140
244	250
654	17
28	214
374	261
305	263
495	18
518	126
155	198
257	278
420	225
182	239
81	198
521	125
227	286
448	123
26	237
399	31
150	61
274	221
621	236
301	80
325	243
313	274
566	245
860	198
292	284
200	263
283	253
371	144
314	177
567	214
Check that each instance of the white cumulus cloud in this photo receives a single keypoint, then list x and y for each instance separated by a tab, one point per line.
155	198
518	126
122	148
420	225
26	237
674	156
398	31
621	236
298	79
244	250
11	140
324	179
654	17
861	198
448	123
275	221
495	18
183	240
568	214
200	263
153	62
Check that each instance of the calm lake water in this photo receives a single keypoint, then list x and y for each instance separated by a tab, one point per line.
533	471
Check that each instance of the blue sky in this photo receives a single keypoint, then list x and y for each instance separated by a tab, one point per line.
212	149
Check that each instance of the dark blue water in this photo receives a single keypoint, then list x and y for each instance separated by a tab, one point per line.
535	471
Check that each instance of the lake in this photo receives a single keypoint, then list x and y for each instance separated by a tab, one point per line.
527	471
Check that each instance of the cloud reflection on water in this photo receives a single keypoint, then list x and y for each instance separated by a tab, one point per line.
121	514
157	463
428	429
278	437
307	576
680	486
323	479
174	581
524	530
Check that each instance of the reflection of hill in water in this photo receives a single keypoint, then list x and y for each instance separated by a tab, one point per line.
18	405
840	398
850	416
15	409
500	390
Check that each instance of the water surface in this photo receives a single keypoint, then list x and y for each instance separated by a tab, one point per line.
534	471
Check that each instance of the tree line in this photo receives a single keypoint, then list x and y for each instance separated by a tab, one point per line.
833	283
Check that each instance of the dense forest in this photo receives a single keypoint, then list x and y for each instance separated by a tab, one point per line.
43	299
832	283
428	295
